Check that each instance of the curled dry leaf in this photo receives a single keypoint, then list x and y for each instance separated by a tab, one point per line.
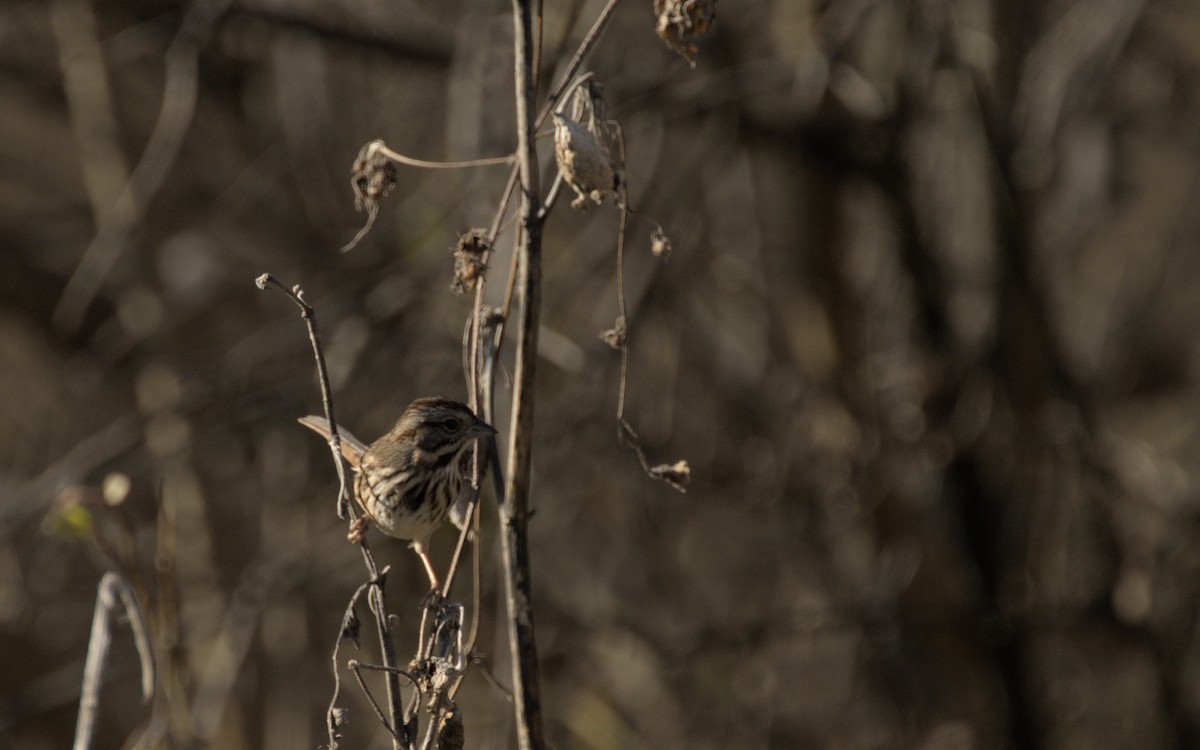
583	162
373	176
468	260
660	243
616	336
677	474
681	22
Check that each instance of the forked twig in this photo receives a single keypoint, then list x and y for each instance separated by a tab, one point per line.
355	665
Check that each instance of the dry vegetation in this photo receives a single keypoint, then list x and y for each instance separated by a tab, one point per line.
925	335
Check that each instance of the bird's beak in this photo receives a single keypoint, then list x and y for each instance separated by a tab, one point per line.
482	429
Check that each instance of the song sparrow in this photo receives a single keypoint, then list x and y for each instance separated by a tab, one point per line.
406	480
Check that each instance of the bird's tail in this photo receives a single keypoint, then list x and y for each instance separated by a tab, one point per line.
352	447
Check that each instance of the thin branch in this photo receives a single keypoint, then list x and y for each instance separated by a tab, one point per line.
376	596
296	294
589	41
112	586
490	678
622	309
552	194
485	364
349	629
409	161
486	376
393	672
514	510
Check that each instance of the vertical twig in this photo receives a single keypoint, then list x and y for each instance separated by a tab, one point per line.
514	509
296	294
112	586
401	732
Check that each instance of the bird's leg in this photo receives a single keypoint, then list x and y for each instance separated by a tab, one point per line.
433	579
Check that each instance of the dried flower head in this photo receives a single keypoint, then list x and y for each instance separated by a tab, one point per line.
337	717
617	335
660	243
373	175
681	22
677	474
583	162
468	260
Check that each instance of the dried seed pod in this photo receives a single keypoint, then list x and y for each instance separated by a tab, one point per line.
681	22
660	243
337	717
617	335
468	260
582	161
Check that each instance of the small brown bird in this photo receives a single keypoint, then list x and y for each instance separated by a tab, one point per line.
406	480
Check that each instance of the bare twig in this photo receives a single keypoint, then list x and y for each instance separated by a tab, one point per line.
589	41
409	161
478	377
112	586
490	678
377	600
514	510
296	294
355	666
375	595
349	629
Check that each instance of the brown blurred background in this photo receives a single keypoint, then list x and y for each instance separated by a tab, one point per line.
926	338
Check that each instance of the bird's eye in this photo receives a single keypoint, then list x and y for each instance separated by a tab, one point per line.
450	425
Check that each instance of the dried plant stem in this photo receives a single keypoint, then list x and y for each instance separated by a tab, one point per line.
409	161
622	309
296	295
112	587
356	667
514	510
589	41
375	594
